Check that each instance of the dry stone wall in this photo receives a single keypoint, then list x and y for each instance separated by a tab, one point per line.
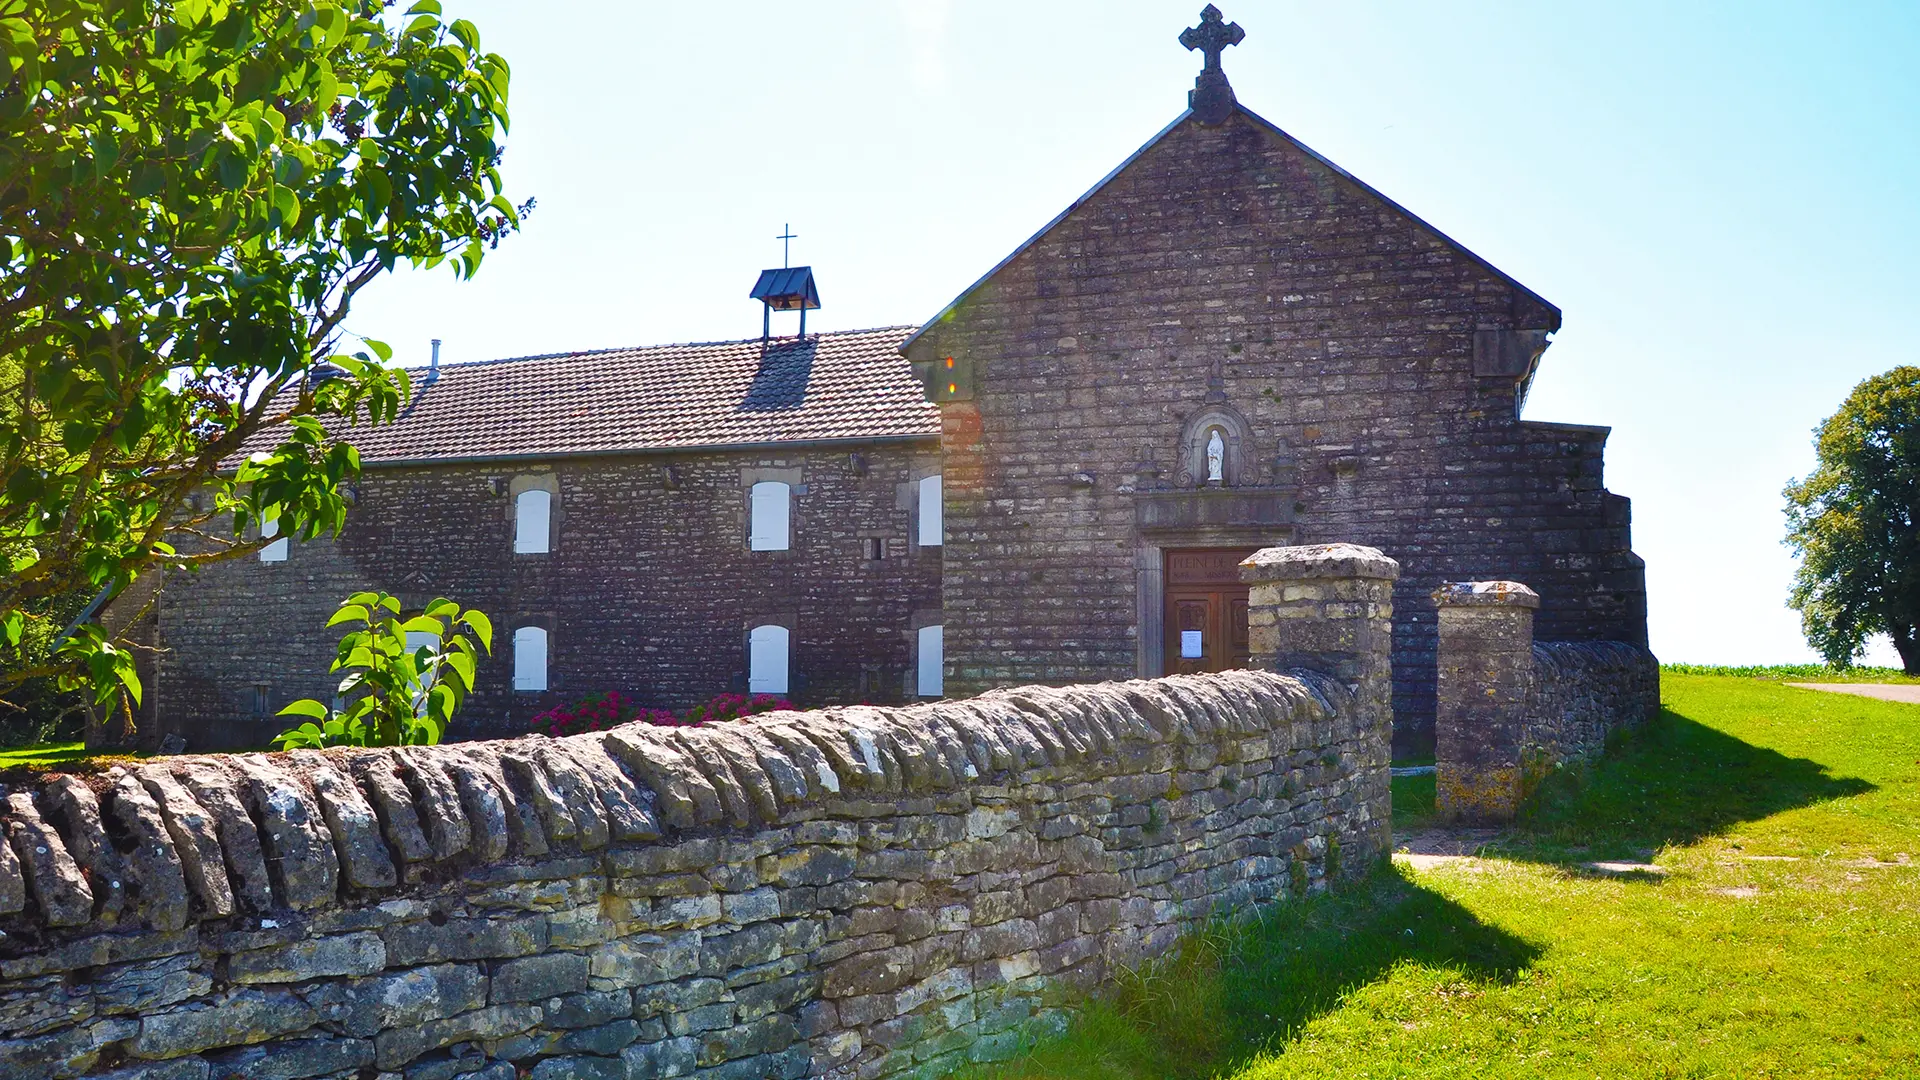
1585	691
858	892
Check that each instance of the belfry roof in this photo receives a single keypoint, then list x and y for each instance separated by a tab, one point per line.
849	386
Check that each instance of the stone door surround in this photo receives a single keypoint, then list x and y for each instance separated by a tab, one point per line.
1205	610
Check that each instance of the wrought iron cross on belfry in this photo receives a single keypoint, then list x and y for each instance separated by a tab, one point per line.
1211	98
786	237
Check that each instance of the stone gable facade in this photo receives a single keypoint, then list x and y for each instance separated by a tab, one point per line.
1365	373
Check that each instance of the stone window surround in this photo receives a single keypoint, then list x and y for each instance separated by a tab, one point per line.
792	476
546	630
920	619
918	639
544	620
907	501
549	482
785	620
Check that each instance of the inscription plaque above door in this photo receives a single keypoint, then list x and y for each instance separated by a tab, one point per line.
1206	614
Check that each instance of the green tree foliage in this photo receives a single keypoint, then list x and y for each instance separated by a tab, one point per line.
191	194
1855	523
395	693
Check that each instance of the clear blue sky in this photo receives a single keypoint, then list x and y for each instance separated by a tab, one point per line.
1723	198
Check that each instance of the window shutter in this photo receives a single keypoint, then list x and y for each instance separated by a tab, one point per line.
276	551
933	660
767	660
532	523
932	528
771	508
530	658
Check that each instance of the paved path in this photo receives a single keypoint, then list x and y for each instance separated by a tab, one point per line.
1907	692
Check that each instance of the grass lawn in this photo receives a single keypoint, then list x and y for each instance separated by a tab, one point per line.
1783	941
42	756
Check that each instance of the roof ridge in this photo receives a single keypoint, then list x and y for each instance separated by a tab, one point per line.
646	348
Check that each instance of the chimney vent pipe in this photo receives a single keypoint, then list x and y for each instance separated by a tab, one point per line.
433	366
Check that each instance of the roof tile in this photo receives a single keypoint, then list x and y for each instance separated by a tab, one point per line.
845	385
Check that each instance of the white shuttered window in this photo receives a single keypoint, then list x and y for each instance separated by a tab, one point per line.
530	658
532	523
417	640
932	529
771	511
933	661
767	660
276	551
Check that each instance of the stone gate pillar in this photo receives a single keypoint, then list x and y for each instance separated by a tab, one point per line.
1329	608
1325	607
1485	671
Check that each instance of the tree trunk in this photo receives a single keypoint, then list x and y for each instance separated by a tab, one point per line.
1905	643
107	730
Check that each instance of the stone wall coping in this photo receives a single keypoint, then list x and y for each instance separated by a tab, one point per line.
1485	594
1317	561
180	840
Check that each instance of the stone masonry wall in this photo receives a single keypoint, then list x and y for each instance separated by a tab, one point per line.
649	589
855	892
1582	693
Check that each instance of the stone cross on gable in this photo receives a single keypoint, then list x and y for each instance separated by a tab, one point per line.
1211	98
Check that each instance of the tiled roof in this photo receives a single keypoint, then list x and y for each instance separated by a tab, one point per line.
848	385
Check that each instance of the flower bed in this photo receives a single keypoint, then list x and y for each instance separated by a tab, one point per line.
611	709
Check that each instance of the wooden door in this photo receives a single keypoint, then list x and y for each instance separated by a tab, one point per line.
1206	611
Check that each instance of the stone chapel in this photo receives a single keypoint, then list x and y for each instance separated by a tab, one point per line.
1228	343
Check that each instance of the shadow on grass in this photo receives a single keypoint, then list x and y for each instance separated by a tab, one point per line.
1235	989
1676	781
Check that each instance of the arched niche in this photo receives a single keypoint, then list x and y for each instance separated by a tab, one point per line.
1216	430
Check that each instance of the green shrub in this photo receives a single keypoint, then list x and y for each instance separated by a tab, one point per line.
394	695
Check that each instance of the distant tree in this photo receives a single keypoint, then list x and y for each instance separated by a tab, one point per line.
192	192
1855	523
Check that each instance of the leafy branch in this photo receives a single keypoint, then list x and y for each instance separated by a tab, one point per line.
192	194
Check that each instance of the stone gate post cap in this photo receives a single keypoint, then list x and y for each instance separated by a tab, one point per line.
1485	594
1317	561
